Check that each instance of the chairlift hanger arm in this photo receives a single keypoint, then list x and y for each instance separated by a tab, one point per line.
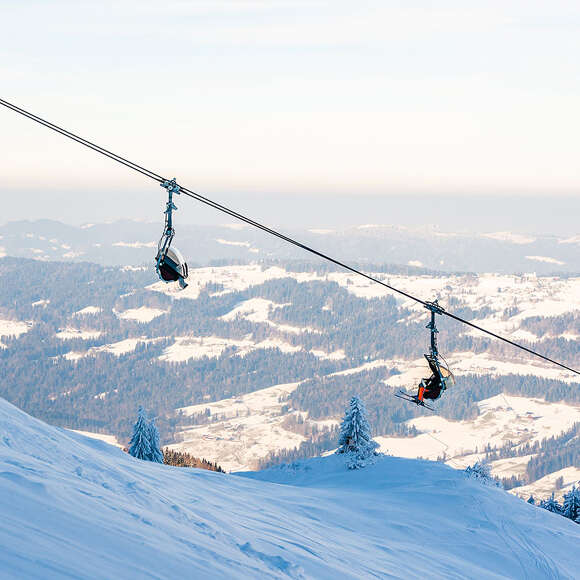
249	221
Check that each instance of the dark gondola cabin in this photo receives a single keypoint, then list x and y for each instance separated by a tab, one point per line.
172	267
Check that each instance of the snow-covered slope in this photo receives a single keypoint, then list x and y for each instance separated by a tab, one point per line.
76	507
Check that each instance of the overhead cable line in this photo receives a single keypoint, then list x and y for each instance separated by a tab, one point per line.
83	141
224	209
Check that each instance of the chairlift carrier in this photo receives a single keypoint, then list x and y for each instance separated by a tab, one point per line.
440	372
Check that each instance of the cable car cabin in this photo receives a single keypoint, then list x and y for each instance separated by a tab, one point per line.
441	378
172	267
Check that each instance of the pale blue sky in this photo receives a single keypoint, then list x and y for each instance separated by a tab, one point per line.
294	97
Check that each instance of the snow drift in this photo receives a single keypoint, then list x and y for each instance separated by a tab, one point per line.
76	507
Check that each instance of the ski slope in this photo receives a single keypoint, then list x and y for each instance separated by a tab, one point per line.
74	507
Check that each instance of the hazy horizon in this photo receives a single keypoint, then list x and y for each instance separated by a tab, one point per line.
555	215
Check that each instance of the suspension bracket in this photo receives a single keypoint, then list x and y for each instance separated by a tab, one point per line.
171	186
434	308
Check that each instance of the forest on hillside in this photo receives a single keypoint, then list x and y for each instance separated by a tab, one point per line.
100	390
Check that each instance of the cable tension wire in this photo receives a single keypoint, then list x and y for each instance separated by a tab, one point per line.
264	228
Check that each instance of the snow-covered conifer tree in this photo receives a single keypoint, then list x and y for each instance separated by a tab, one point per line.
355	435
571	507
531	500
139	446
481	470
156	455
552	505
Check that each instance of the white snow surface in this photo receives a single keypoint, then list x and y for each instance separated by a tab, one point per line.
244	429
254	310
466	363
542	488
88	310
232	243
510	237
136	245
258	310
109	439
116	348
532	295
143	314
196	347
502	419
545	259
72	333
13	327
74	507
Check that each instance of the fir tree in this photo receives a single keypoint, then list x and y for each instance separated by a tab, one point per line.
155	455
140	446
481	471
355	435
552	505
531	500
571	507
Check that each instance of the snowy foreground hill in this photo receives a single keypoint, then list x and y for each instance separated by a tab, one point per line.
73	507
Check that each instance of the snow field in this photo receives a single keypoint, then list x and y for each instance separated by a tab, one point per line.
88	310
545	259
533	295
196	347
467	363
76	507
542	488
258	310
143	314
510	237
109	439
136	245
502	418
116	348
74	333
13	328
233	243
244	429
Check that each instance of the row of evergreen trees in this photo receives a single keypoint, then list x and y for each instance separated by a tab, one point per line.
183	459
569	508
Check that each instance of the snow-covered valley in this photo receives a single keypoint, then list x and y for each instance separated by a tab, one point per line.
258	359
91	511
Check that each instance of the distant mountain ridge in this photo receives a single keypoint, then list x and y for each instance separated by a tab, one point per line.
133	243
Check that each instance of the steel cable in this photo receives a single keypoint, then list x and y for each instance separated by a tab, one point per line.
264	228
